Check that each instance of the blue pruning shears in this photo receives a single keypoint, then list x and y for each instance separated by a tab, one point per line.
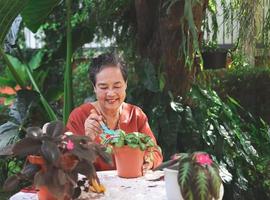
106	130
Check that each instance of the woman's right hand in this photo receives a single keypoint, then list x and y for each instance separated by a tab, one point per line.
92	125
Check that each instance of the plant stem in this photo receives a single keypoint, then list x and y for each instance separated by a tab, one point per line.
68	100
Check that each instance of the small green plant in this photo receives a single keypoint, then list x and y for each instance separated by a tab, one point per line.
209	46
134	140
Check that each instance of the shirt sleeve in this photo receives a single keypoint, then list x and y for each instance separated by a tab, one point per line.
75	122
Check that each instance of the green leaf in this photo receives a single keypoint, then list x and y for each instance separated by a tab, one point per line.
215	181
142	146
120	143
7	82
162	81
201	185
8	134
36	60
18	67
36	12
9	10
184	174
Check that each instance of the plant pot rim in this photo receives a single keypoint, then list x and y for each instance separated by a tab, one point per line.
170	170
127	146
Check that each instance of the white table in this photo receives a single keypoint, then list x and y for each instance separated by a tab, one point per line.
119	188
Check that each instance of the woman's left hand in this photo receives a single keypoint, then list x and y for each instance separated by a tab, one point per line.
147	166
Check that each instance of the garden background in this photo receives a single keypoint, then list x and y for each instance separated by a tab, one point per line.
222	111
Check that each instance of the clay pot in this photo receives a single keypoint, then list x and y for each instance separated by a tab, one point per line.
67	163
129	161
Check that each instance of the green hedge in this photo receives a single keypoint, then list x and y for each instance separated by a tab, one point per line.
249	85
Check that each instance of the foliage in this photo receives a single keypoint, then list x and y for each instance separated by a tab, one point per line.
10	14
209	46
216	127
8	167
248	85
134	140
81	84
24	106
64	156
23	112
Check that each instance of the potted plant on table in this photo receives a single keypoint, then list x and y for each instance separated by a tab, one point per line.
54	160
192	176
129	151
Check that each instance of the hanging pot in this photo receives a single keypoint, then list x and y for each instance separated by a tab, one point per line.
129	161
214	60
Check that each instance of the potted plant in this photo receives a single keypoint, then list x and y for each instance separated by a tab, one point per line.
52	152
213	57
192	176
129	151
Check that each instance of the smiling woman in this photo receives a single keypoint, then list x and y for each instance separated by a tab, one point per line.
108	74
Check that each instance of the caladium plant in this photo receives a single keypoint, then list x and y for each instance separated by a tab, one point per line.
54	145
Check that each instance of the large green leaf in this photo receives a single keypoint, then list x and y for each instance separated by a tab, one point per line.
8	134
9	10
7	82
35	61
19	67
36	12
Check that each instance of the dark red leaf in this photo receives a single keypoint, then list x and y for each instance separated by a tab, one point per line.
27	146
11	183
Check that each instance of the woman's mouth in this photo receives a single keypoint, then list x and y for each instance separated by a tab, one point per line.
111	101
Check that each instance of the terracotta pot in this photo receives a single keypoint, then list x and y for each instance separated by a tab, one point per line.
67	163
45	194
129	161
37	160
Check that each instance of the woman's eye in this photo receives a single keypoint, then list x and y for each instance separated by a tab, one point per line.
103	88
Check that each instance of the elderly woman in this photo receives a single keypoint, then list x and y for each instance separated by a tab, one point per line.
108	75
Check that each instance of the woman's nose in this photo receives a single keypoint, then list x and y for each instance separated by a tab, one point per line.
110	92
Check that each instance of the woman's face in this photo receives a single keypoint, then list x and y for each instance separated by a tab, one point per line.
110	88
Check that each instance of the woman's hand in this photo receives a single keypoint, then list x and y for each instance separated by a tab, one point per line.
147	166
92	125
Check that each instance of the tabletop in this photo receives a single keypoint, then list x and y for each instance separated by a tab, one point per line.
147	187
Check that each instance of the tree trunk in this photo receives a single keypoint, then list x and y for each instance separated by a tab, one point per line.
160	38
